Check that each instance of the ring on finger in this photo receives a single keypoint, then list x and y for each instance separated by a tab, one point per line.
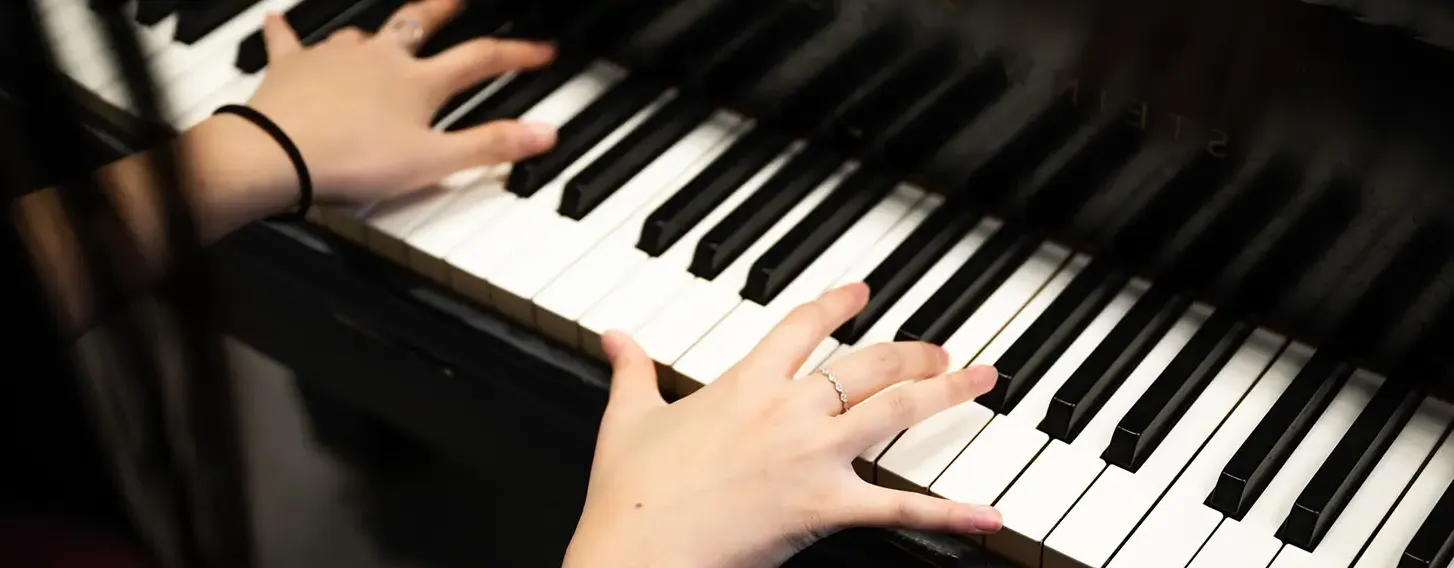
409	31
837	386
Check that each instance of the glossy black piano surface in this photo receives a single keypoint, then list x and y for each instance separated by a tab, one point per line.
1279	166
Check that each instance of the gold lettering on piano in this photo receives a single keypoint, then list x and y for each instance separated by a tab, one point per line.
1142	115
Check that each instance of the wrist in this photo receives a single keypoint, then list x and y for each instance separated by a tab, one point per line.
239	172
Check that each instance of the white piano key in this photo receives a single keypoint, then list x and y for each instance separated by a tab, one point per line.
923	452
735	336
1105	516
1180	523
1376	497
388	228
1062	472
478	196
1027	315
239	92
564	241
1398	530
678	327
609	269
984	470
887	326
1252	541
174	65
630	307
78	43
486	257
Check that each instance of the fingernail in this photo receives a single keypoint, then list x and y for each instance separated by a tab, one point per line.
611	344
984	519
943	356
540	136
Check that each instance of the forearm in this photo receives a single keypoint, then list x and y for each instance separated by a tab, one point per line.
231	174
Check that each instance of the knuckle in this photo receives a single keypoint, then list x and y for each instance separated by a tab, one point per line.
901	406
807	319
890	362
959	389
902	510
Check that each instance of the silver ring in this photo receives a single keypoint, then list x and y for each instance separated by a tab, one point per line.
837	386
410	31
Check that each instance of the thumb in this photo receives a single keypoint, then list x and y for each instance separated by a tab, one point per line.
917	511
499	142
633	373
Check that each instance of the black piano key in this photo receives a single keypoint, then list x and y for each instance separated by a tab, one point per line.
194	23
1075	181
1037	349
888	282
150	12
1172	206
1108	366
1345	469
792	254
520	94
979	277
1433	544
479	18
1317	228
369	19
808	107
919	133
873	113
741	64
684	42
1417	264
306	18
1234	227
726	242
623	161
1046	131
892	278
684	29
1167	399
1254	464
686	208
583	132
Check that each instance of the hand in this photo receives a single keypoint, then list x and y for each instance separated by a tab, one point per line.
757	465
359	107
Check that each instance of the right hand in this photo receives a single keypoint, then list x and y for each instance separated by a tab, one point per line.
758	465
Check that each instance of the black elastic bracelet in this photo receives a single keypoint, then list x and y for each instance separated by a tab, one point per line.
305	181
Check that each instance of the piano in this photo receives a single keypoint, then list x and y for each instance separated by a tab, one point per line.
1207	245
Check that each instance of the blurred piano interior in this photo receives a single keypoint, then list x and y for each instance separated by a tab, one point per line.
1207	244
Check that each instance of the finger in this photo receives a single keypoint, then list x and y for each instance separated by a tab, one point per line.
633	373
497	142
901	408
279	37
881	507
430	15
786	348
865	372
348	35
472	62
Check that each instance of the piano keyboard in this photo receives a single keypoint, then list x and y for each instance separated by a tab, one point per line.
1132	427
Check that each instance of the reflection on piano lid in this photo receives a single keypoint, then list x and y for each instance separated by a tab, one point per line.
1206	244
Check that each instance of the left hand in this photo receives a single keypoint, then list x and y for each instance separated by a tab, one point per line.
359	107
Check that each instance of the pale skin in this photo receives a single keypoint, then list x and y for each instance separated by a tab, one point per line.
746	472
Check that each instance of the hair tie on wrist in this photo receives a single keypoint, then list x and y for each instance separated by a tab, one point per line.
305	181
